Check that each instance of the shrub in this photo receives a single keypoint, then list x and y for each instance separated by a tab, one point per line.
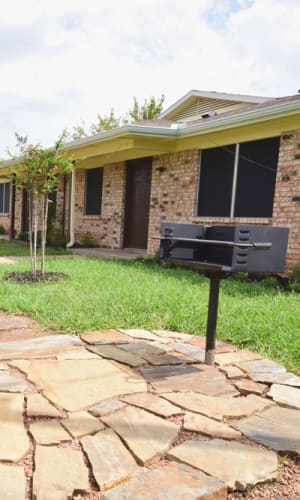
295	279
56	238
2	229
88	241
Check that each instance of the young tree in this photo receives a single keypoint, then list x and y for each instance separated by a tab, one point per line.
105	123
148	110
37	170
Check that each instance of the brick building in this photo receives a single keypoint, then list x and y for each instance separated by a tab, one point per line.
210	158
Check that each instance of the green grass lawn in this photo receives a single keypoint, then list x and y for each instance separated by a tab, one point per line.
21	249
104	293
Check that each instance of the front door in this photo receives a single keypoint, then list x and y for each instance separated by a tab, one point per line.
137	203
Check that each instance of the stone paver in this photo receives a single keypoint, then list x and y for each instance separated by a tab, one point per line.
221	347
247	386
198	378
175	358
232	358
153	403
78	384
145	434
77	354
106	407
173	481
142	348
285	396
277	428
58	473
199	423
3	366
105	337
284	378
168	334
111	461
232	371
14	442
48	432
236	464
13	322
112	352
12	482
221	407
260	366
10	383
81	423
40	347
192	351
38	406
143	334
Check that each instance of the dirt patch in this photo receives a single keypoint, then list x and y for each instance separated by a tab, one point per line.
29	277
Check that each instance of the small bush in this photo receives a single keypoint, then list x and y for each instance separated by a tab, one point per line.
295	279
2	229
88	241
56	238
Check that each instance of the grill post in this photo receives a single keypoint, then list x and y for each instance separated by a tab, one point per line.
214	288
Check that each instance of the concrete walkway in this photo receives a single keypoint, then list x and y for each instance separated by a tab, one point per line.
136	414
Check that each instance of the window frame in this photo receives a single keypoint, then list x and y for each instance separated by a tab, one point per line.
236	161
99	209
5	198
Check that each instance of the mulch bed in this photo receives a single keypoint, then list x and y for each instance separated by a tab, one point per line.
29	277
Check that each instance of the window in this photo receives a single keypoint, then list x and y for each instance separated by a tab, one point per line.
4	197
93	191
238	180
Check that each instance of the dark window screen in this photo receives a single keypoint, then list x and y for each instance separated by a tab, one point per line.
216	174
4	197
256	178
93	193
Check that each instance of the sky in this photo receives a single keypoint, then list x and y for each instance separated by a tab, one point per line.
64	61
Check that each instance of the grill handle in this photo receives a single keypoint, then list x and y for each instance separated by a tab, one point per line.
258	246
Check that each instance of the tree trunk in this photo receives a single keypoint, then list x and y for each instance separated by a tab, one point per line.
45	205
30	226
35	230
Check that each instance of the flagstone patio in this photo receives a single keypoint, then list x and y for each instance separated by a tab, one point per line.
134	414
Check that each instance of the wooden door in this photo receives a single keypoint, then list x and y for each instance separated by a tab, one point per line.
137	203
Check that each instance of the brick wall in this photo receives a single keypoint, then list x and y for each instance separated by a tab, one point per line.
173	191
105	229
287	193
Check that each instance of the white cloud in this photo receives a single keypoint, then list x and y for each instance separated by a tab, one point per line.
62	61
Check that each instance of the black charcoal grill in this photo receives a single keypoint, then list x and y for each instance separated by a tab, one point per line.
220	251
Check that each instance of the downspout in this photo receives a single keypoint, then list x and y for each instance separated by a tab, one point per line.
12	209
72	209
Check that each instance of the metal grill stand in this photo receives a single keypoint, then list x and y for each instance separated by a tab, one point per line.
212	315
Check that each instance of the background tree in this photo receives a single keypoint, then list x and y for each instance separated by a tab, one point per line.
147	111
38	170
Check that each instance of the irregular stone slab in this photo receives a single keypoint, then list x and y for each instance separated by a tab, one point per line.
12	482
77	354
232	371
286	396
220	407
112	352
284	378
142	348
168	359
142	334
198	378
173	335
13	322
40	347
145	434
168	483
261	366
78	384
221	347
193	351
236	464
111	461
10	383
14	442
198	423
105	337
38	406
48	432
153	403
246	386
82	423
164	347
59	472
232	358
3	366
277	428
106	407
